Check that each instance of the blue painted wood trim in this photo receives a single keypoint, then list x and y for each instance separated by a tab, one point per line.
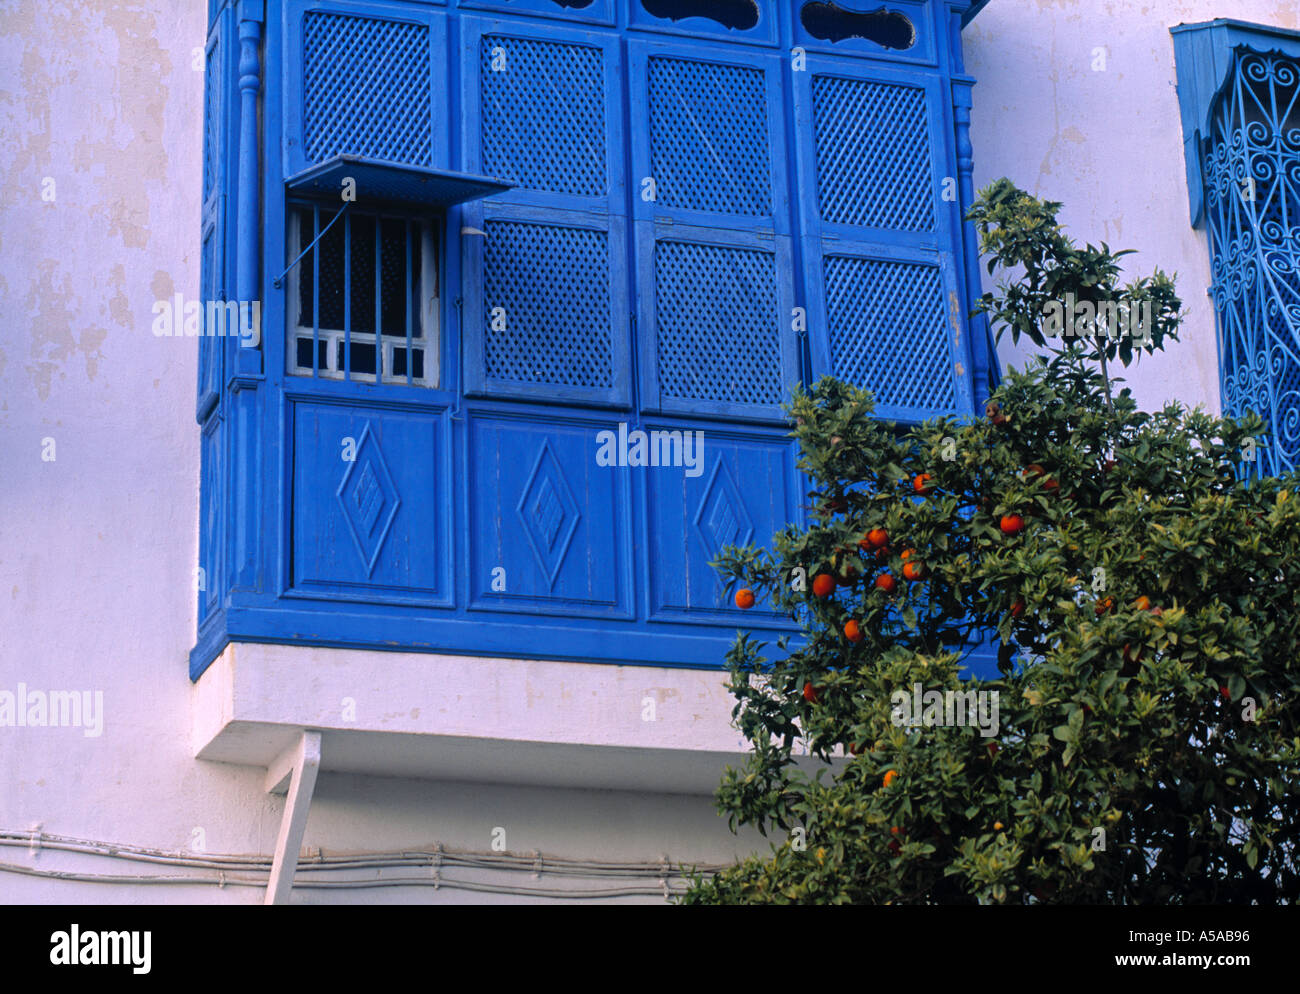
985	370
248	258
257	596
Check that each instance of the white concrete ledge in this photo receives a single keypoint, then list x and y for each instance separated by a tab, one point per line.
427	716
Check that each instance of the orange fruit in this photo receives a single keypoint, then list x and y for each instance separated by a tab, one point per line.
823	585
1143	603
810	693
744	598
852	631
913	571
921	484
886	582
878	538
890	777
1012	524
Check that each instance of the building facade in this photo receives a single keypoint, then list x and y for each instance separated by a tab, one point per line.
491	307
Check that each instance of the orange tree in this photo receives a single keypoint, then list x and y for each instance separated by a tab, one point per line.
1142	588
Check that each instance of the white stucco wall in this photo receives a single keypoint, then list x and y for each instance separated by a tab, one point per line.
1107	144
98	545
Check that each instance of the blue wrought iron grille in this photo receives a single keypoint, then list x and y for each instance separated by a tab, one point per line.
546	304
873	154
709	140
543	114
366	89
718	332
887	327
1252	200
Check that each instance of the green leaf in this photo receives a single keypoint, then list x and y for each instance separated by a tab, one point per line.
1236	686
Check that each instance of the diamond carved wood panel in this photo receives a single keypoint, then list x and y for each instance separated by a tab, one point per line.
745	492
550	530
372	527
368	498
549	513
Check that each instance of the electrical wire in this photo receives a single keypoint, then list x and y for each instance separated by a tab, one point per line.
642	879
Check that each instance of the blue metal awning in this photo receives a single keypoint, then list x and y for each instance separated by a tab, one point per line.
1205	55
393	183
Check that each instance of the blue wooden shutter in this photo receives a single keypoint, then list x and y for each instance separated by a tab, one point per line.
715	299
545	272
879	254
214	268
366	473
715	276
546	320
217	86
363	83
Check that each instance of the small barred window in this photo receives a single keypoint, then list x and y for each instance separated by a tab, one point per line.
364	303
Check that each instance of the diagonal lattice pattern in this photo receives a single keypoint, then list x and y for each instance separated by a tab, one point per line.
709	137
366	89
211	117
543	117
717	324
873	154
888	331
546	304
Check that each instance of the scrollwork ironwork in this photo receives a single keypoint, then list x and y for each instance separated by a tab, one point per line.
1252	197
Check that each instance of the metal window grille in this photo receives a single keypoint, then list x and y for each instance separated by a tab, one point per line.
363	300
1252	201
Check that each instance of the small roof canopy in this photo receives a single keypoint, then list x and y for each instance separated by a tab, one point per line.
1205	58
393	183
